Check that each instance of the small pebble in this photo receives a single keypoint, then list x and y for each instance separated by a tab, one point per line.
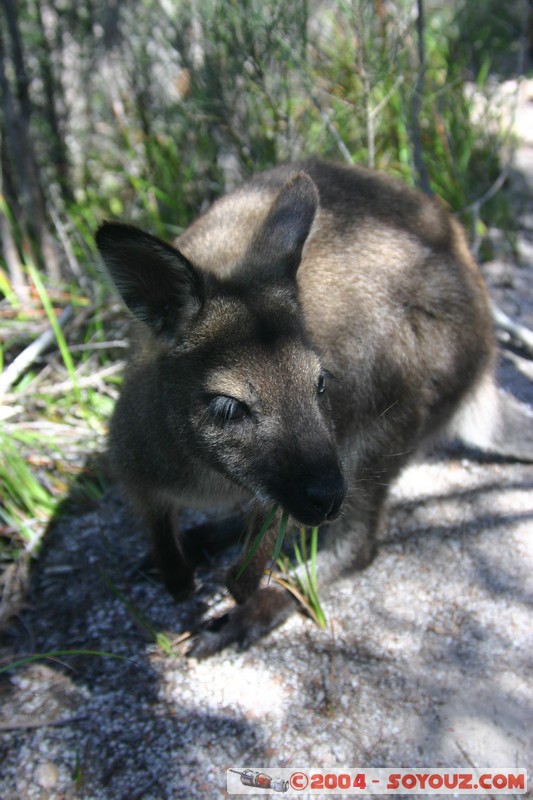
46	775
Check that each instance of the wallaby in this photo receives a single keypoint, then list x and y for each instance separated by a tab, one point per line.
302	340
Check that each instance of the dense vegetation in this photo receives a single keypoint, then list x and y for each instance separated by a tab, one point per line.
147	110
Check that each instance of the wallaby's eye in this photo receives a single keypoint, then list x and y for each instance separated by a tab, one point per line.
321	385
227	409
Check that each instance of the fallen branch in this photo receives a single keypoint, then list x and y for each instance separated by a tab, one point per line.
31	353
519	333
85	382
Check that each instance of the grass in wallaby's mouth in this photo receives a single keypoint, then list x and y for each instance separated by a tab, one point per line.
300	578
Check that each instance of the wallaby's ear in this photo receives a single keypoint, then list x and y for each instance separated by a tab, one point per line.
157	283
277	247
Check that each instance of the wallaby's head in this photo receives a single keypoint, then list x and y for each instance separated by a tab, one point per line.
237	385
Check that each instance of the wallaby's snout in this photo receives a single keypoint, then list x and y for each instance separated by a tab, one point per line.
312	498
326	496
305	475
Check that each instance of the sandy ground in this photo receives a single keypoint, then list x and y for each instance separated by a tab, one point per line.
427	660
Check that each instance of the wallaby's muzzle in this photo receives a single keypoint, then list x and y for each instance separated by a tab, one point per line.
312	497
326	496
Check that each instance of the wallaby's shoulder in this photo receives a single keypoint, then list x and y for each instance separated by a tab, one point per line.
353	200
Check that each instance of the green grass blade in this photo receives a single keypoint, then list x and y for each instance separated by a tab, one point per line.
267	523
138	617
25	500
58	333
313	555
55	654
304	577
159	638
281	536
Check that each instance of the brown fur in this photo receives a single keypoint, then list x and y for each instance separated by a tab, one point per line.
309	332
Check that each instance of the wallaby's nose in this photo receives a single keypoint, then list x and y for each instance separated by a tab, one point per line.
326	495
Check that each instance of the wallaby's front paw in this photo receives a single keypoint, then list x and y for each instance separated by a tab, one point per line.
181	590
179	580
245	624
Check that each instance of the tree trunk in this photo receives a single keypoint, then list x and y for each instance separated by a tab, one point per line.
52	93
19	150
